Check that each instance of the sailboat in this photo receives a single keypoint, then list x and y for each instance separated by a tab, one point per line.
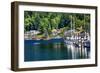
72	38
82	38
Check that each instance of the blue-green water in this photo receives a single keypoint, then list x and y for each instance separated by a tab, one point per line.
55	49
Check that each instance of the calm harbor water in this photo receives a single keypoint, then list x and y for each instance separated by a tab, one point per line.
55	49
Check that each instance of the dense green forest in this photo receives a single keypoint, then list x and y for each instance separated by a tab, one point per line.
47	21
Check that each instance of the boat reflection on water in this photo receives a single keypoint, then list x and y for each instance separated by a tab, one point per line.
78	51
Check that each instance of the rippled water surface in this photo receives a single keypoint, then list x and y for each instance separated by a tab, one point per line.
55	49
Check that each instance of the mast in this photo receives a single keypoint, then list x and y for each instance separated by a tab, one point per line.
71	26
85	28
